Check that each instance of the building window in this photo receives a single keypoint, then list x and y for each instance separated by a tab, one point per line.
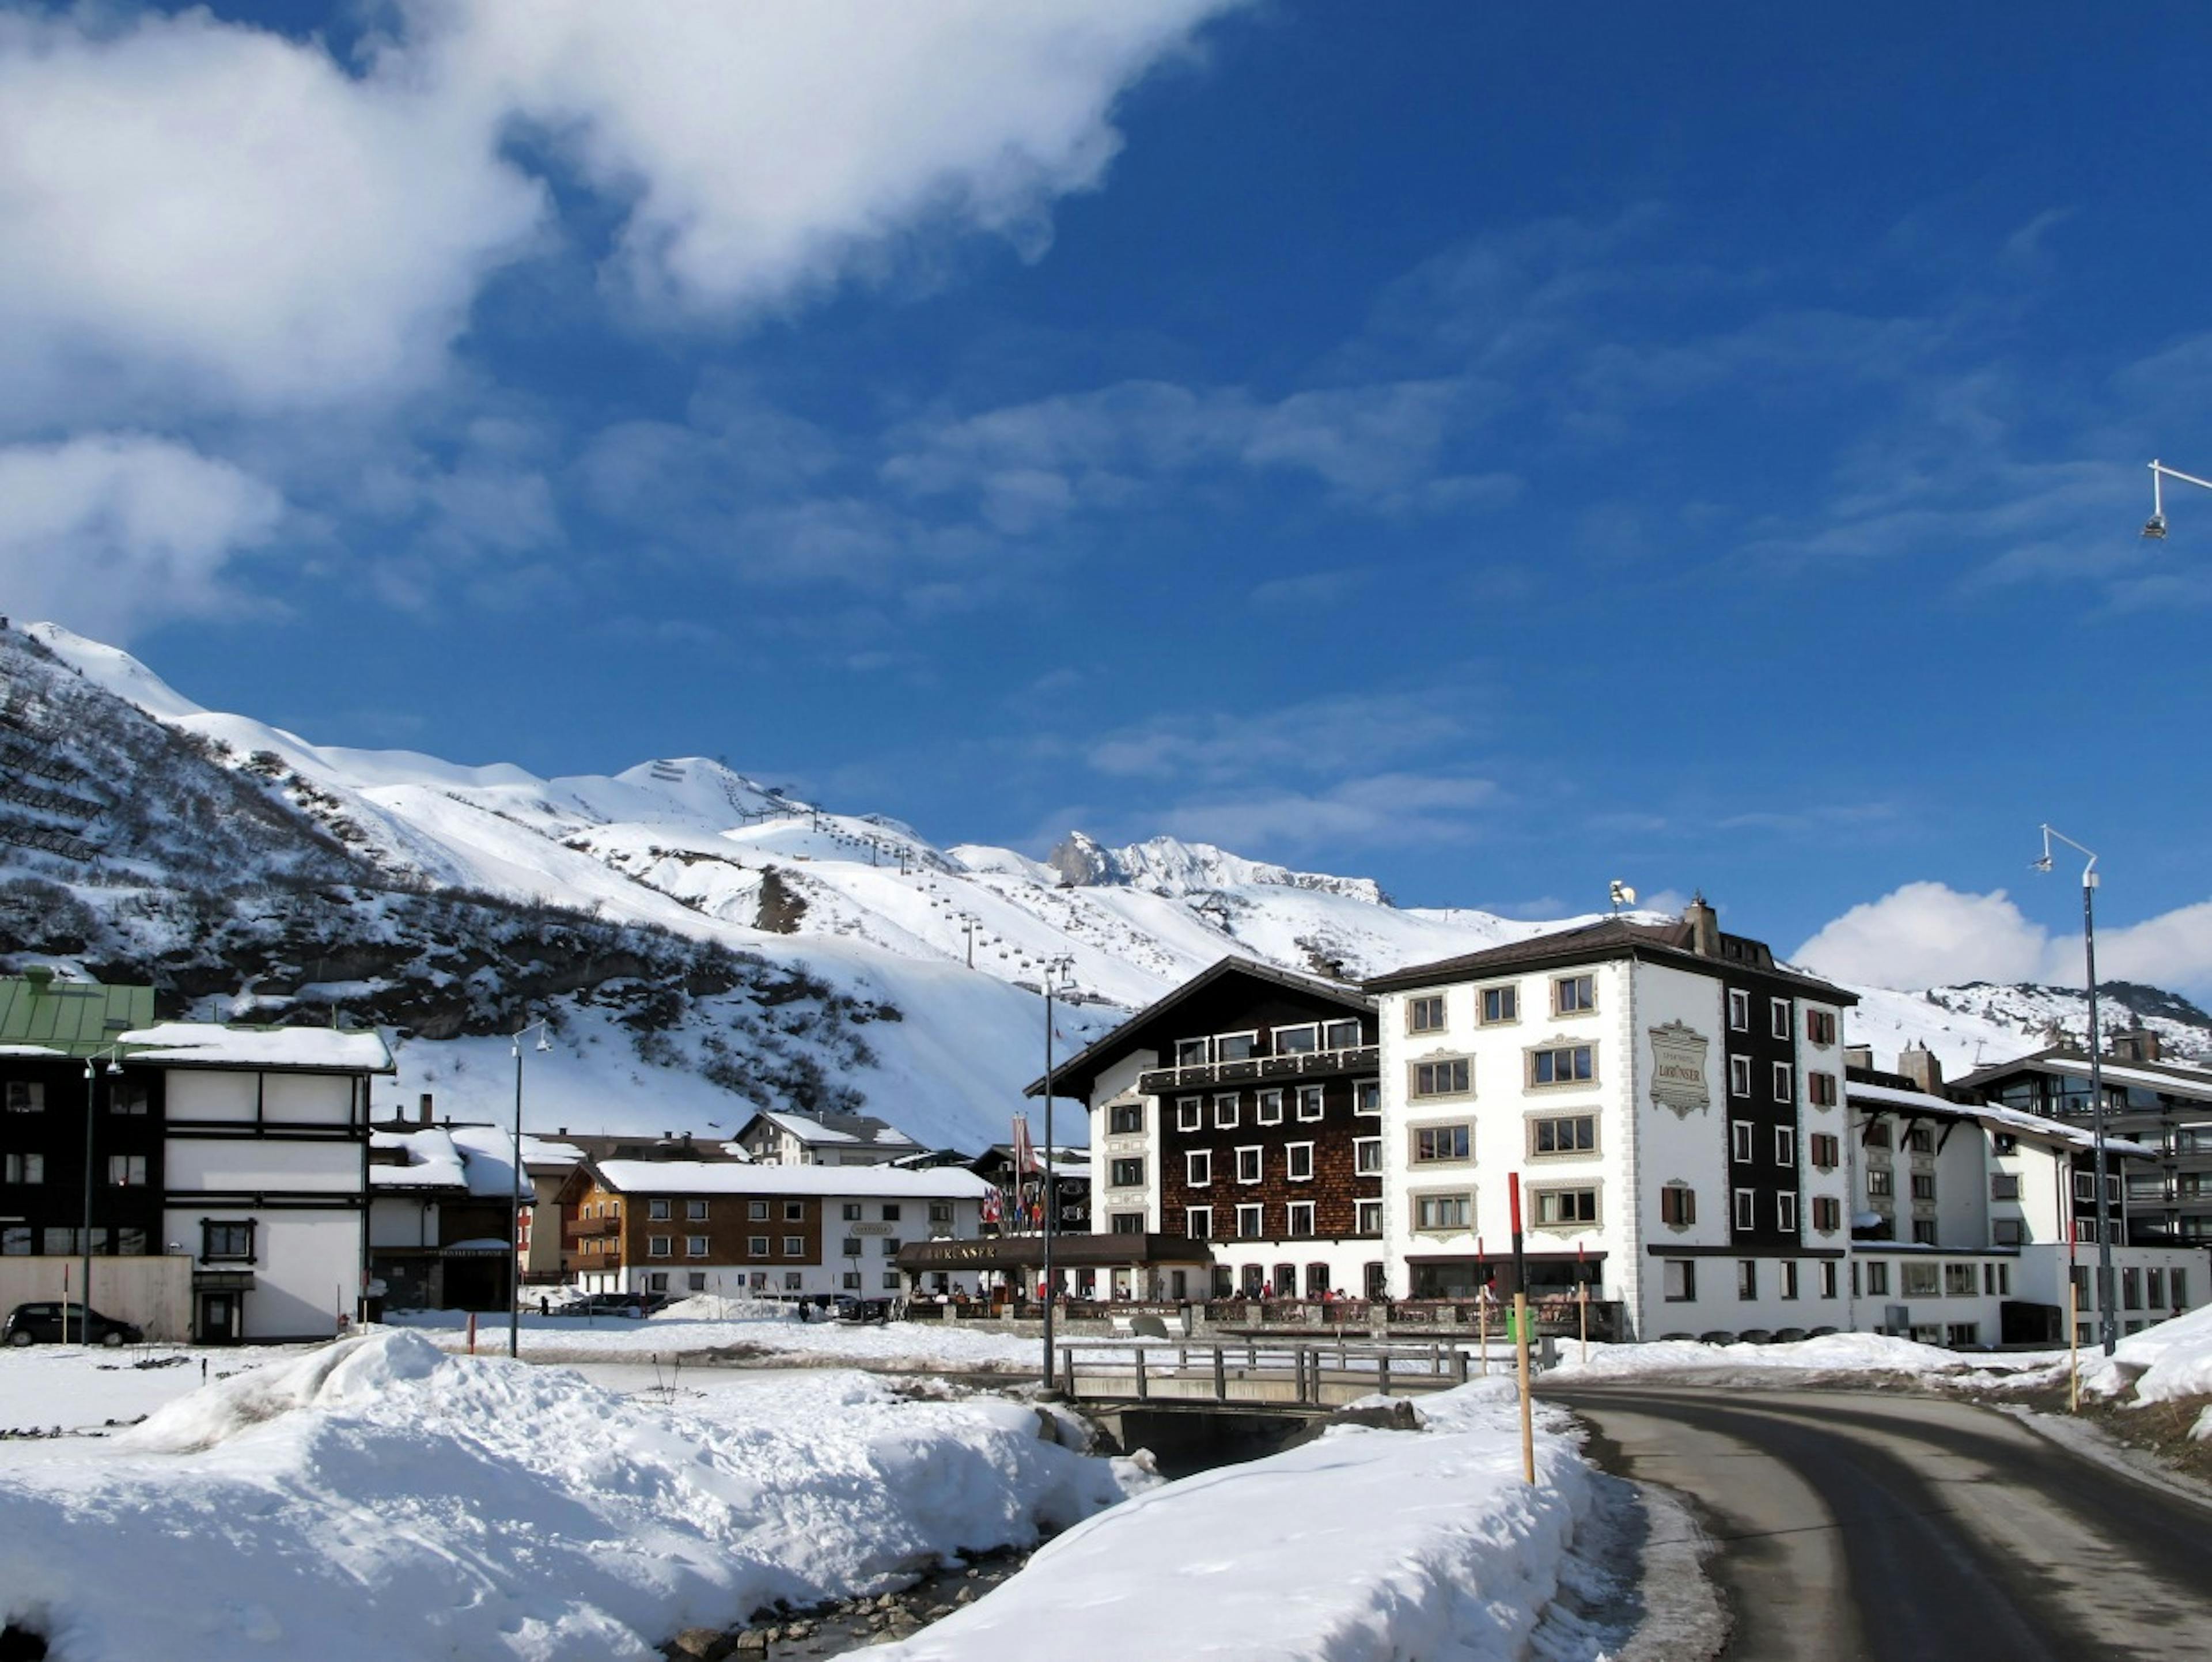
694	1246
1827	1213
1442	1078
1193	1052
1197	1167
1248	1164
1269	1111
1919	1281
1924	1232
1425	1014
1123	1119
1224	1113
1573	995
1877	1281
1436	1144
1820	1026
890	1212
1367	1157
1746	1278
1565	1064
1959	1280
1785	1082
849	1247
32	1168
1678	1205
1341	1035
1922	1141
1127	1172
1827	1278
2004	1186
657	1282
2130	1290
1128	1223
756	1245
657	1210
1789	1278
1820	1089
1740	1141
695	1280
1786	1145
1785	1212
1367	1217
850	1280
940	1211
1739	1076
794	1247
1297	1041
1439	1214
1881	1184
1680	1279
1564	1134
852	1212
1923	1185
1198	1223
891	1246
2007	1232
129	1098
792	1280
656	1246
1565	1207
1738	1011
1777	1017
1310	1103
25	1096
1298	1161
1190	1113
1302	1217
1251	1222
1235	1047
795	1212
695	1211
231	1241
1500	1005
1826	1150
1747	1208
126	1170
757	1211
1367	1097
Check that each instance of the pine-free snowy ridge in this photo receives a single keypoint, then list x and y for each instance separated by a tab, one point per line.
704	944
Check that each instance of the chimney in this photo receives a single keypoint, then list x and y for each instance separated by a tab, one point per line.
1859	1056
1704	927
423	1109
1918	1064
2139	1044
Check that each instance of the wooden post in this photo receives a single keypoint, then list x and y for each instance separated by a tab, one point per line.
1520	1364
1482	1329
1382	1374
1459	1366
472	1333
2073	1345
1220	1376
1582	1300
1067	1367
1139	1354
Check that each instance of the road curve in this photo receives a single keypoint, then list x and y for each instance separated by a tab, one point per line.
1854	1526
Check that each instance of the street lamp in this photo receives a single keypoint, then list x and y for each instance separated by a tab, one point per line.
2155	527
84	1286
2108	1331
514	1197
1052	970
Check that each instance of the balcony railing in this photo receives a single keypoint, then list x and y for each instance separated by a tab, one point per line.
1262	1070
592	1228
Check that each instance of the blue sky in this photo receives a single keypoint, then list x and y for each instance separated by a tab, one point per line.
1490	452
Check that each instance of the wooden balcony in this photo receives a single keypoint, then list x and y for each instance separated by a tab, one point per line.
1293	1068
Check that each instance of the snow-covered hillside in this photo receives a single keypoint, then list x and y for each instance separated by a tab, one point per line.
703	943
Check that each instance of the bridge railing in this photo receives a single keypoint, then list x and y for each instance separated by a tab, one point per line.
1285	1372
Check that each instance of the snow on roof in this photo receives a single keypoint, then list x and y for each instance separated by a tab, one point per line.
433	1161
209	1045
693	1177
2013	1119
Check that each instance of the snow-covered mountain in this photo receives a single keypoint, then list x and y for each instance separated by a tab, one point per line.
703	943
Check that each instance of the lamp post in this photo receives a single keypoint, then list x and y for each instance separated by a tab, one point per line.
514	1197
1054	969
2155	527
84	1240
2108	1331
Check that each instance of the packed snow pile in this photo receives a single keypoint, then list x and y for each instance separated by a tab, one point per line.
1832	1353
379	1498
1362	1544
2166	1360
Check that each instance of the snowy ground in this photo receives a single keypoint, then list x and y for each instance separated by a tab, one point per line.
2166	1361
1363	1544
379	1498
1835	1354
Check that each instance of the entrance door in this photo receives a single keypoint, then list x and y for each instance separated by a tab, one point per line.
218	1322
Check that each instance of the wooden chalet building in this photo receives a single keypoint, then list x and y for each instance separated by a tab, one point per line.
1241	1111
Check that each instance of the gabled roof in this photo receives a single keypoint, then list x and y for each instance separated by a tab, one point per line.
293	1050
1087	1061
681	1176
1917	1104
834	1128
1609	938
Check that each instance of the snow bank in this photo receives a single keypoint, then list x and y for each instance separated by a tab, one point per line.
379	1499
1857	1353
1363	1544
2168	1360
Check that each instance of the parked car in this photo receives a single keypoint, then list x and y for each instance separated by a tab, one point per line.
612	1304
44	1324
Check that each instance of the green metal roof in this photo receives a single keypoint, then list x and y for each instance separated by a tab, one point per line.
72	1018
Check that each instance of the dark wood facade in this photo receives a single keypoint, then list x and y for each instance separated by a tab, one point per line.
44	1103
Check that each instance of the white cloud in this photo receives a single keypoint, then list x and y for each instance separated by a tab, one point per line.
1927	935
1374	810
105	532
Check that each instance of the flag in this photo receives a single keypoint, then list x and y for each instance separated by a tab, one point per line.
993	1207
1024	1151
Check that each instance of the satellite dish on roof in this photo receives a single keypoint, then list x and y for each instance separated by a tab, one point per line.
1622	895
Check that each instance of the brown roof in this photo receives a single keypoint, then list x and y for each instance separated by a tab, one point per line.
1611	937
